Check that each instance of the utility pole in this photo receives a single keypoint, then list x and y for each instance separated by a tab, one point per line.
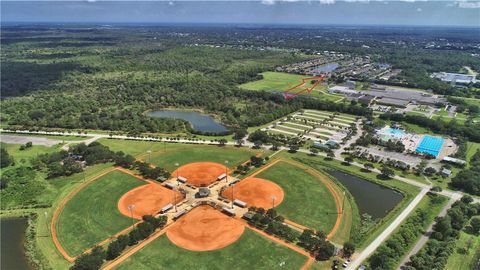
273	201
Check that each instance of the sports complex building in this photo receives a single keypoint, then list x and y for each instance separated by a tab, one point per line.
436	146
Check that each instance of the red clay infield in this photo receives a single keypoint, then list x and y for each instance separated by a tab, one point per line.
256	192
201	174
205	228
148	200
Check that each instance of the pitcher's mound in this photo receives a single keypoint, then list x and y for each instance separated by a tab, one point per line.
256	192
205	228
201	174
147	200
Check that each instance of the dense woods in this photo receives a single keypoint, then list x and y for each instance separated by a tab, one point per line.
108	78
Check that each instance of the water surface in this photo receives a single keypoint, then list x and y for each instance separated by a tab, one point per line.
12	240
200	122
370	198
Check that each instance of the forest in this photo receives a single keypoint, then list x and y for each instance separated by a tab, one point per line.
100	78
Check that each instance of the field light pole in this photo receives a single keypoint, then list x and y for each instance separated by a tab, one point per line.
343	202
174	199
84	178
226	170
273	201
232	195
149	155
46	222
131	207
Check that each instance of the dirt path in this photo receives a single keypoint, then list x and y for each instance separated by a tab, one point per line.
58	211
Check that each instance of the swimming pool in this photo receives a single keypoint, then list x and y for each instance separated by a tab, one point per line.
430	145
395	132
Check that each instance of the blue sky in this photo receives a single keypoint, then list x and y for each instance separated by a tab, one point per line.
349	12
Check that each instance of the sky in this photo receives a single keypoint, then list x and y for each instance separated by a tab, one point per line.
319	12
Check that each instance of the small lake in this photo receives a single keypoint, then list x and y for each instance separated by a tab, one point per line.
370	198
200	122
326	68
12	244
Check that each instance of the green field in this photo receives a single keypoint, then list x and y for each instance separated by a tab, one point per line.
23	157
167	154
92	214
307	200
184	154
251	251
279	82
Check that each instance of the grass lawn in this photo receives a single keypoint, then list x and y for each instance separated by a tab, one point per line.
468	259
24	156
407	190
307	200
251	251
275	81
92	214
48	253
279	82
472	148
187	153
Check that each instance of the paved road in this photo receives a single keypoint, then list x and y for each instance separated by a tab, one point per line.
424	238
364	254
361	256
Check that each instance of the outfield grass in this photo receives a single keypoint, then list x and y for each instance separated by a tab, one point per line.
251	251
167	154
62	186
307	200
92	214
185	153
407	190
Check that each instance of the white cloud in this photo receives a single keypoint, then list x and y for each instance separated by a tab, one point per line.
419	9
327	2
468	4
268	2
171	3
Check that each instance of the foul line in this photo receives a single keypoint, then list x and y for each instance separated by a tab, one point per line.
324	180
58	211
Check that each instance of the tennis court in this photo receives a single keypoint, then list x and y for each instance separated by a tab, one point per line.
430	145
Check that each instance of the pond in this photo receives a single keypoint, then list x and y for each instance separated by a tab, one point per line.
371	198
12	244
326	68
200	122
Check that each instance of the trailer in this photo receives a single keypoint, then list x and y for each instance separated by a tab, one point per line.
166	208
240	203
170	185
221	176
182	179
228	211
179	214
234	182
